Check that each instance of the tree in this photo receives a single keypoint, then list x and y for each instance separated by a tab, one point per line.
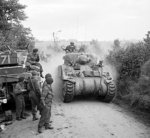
147	46
11	12
147	39
116	45
14	33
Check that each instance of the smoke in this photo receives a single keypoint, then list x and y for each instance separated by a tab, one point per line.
51	66
111	69
100	50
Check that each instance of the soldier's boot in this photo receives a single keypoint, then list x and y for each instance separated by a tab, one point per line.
48	127
34	118
50	121
18	118
40	130
23	117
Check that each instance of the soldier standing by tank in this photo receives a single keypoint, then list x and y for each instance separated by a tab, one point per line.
33	59
35	93
46	102
71	47
19	99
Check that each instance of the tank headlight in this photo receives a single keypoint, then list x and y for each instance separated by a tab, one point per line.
24	66
4	100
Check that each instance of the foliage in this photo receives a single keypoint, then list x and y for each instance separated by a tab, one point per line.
12	32
133	63
116	45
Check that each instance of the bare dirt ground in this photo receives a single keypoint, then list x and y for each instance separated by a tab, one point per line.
82	119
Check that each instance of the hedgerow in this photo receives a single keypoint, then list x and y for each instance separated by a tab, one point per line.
132	62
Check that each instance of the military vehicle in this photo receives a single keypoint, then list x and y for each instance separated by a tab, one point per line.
12	65
82	75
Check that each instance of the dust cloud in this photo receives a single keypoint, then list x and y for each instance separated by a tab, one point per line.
55	59
101	50
51	66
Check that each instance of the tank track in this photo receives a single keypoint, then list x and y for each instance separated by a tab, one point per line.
111	92
68	92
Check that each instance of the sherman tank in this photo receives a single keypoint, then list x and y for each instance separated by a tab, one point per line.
82	74
13	65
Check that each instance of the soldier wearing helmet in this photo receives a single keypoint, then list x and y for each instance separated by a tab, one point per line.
46	102
71	47
19	99
33	59
35	93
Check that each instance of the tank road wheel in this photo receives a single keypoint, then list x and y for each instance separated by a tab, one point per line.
68	91
111	91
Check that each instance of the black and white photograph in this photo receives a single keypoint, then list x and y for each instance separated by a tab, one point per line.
74	69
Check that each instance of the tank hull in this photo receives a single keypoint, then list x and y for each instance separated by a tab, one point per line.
99	86
85	86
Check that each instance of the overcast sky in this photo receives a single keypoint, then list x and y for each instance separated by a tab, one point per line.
88	19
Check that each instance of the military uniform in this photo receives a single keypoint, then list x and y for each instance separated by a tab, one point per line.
33	59
71	47
34	94
46	101
19	99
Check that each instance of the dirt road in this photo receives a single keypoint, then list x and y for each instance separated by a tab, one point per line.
82	119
